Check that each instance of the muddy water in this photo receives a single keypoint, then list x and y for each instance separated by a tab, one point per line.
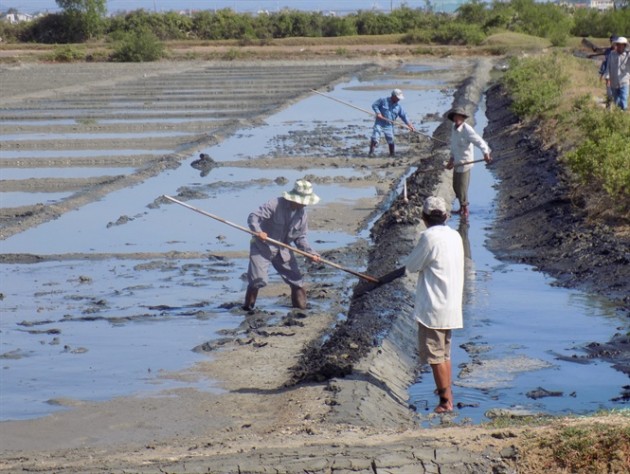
91	328
113	313
519	328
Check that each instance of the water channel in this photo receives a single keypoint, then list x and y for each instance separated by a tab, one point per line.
516	323
97	329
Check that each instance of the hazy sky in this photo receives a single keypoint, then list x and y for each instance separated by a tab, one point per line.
113	6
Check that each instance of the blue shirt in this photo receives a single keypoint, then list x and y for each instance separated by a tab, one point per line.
390	110
604	65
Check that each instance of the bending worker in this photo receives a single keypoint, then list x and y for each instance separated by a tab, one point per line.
283	219
387	110
463	137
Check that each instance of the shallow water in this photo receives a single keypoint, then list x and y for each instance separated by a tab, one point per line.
517	322
26	154
151	230
63	172
96	336
318	113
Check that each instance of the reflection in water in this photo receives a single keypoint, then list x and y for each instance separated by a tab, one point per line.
469	264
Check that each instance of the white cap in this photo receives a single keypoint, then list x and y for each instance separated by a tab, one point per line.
434	205
621	40
398	93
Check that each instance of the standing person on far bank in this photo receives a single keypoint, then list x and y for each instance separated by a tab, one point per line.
463	137
618	73
439	258
283	219
387	110
604	66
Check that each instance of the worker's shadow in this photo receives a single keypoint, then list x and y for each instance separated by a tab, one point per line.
357	375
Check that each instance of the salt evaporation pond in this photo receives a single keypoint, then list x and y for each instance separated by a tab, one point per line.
128	344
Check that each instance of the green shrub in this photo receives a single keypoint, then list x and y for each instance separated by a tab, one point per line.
458	33
604	156
535	84
417	37
138	46
232	54
67	54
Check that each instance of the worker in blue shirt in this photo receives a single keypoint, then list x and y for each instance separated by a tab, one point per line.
604	66
387	110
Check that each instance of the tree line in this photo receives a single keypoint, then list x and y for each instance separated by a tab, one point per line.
85	20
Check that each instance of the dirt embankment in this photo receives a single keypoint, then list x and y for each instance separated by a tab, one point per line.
539	223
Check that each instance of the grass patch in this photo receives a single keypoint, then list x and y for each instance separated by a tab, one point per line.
599	443
516	41
563	96
590	448
67	54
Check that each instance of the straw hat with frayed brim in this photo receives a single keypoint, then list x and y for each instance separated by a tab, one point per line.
302	193
457	111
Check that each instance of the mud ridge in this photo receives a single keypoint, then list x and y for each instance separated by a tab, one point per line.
369	360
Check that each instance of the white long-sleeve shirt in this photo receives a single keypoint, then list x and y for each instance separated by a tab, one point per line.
462	140
439	257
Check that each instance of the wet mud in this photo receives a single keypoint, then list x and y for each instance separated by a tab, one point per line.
540	224
308	391
373	315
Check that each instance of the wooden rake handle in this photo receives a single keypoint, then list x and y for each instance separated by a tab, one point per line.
272	241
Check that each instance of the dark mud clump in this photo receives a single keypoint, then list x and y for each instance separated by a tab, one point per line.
615	351
205	164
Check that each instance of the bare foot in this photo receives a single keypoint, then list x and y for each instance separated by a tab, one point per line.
444	407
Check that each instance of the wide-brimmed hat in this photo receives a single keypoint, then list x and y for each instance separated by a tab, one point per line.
621	40
457	111
302	193
434	206
398	93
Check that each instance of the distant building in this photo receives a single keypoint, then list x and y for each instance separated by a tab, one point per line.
602	4
15	18
594	4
